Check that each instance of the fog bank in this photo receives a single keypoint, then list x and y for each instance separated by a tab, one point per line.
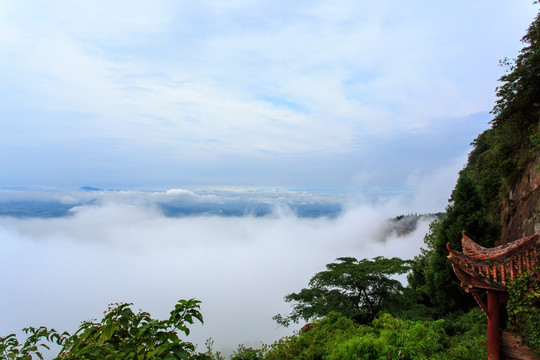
60	271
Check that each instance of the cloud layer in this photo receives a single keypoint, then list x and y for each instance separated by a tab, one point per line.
60	271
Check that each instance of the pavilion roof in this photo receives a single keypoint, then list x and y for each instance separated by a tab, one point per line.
478	267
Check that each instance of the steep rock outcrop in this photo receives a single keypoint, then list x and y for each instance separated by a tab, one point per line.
521	210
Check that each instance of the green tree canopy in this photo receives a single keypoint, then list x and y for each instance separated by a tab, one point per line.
121	334
432	273
519	95
354	288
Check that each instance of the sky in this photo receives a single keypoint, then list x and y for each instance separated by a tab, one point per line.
348	94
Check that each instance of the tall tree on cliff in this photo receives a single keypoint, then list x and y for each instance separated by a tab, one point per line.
501	153
434	277
498	158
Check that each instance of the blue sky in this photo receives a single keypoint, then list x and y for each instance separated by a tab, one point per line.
250	93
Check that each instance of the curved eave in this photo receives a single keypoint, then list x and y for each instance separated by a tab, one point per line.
474	275
476	251
491	268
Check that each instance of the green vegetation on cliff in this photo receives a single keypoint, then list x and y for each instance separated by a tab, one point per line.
501	153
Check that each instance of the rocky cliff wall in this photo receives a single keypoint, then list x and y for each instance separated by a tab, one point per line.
521	211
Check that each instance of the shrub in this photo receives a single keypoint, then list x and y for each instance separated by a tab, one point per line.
523	308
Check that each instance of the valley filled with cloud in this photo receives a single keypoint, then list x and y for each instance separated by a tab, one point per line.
120	246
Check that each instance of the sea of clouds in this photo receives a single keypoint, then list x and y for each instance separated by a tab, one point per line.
120	247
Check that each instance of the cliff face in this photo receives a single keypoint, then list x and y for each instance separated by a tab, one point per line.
521	211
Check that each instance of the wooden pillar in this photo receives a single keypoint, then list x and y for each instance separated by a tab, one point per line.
494	346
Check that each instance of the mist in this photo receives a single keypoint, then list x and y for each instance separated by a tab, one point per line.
60	271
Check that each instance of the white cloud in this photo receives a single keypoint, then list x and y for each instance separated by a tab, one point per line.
433	191
61	271
175	192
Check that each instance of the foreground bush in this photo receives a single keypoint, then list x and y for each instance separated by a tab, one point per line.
524	308
121	334
338	338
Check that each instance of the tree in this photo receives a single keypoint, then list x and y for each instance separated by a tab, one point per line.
355	288
121	334
432	273
515	133
519	96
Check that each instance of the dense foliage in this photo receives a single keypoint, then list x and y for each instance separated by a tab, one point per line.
335	337
121	334
432	272
355	288
501	152
524	308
